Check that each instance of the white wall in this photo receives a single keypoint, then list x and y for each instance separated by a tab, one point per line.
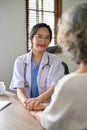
12	36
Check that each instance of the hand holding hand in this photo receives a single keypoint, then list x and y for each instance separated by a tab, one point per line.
34	104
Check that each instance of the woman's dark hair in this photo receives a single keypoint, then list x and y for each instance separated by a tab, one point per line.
37	26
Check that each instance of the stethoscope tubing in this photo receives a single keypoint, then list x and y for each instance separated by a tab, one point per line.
25	82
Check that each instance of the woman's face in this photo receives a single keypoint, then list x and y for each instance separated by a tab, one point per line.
41	39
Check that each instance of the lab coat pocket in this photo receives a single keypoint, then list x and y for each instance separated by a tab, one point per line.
42	78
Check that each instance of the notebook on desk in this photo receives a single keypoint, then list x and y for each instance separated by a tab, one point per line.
4	104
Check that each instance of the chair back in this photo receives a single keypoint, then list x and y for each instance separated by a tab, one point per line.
66	68
52	49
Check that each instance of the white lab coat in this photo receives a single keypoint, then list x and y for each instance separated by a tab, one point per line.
47	77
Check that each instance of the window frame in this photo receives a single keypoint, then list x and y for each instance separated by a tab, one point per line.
57	14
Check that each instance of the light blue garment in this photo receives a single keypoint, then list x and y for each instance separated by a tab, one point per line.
34	87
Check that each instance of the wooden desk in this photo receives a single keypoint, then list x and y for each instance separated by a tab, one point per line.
15	116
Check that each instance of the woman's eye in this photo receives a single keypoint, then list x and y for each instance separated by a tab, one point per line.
39	37
48	38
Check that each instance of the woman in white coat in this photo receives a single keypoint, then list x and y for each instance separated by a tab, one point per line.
36	73
68	107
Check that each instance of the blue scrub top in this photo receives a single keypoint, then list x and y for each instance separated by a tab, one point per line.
34	87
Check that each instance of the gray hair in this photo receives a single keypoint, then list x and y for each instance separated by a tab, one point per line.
72	32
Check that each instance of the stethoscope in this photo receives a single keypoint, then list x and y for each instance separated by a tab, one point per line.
48	63
25	82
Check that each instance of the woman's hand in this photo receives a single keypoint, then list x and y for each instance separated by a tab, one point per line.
34	104
29	103
36	114
40	107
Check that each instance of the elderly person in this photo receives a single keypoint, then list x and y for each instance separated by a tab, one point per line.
68	108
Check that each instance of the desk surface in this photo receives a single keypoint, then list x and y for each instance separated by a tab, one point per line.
15	116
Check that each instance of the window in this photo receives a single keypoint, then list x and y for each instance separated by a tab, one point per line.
47	11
